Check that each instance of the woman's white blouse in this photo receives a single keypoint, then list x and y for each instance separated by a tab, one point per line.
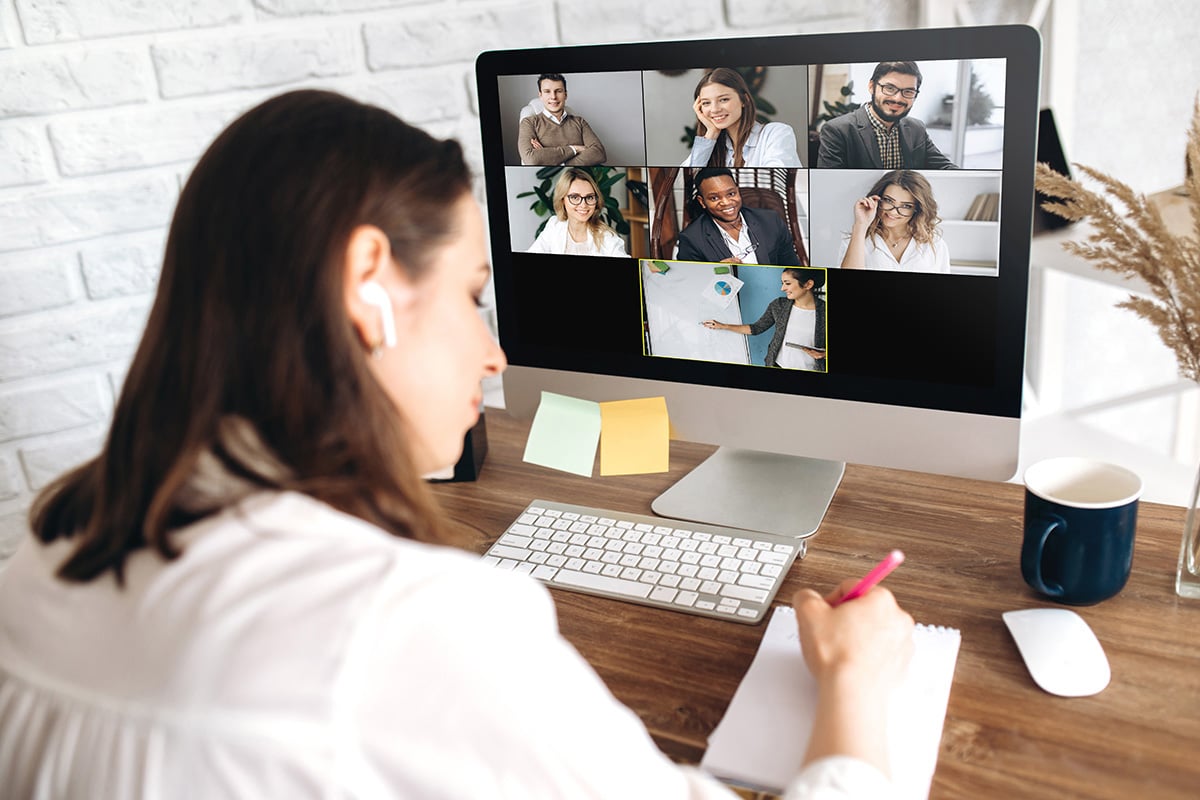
296	652
770	145
931	256
554	238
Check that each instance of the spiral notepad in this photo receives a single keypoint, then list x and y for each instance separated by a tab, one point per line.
760	742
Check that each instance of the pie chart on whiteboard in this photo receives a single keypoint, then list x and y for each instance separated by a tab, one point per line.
722	288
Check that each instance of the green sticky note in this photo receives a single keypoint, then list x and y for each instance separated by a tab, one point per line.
721	270
564	434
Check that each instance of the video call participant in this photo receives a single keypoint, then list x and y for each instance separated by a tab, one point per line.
248	591
727	131
799	320
728	232
896	227
880	134
556	136
576	227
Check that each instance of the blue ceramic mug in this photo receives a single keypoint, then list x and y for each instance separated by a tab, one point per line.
1080	517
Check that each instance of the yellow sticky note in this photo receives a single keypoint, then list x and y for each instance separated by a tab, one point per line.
634	436
564	434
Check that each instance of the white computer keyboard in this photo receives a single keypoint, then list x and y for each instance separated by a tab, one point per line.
701	569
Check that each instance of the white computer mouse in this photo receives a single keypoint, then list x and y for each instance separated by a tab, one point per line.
1061	652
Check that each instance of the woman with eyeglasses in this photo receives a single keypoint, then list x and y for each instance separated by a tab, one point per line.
896	227
576	228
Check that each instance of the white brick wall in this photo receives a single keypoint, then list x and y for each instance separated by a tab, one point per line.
106	104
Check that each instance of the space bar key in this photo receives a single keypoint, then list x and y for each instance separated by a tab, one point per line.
603	583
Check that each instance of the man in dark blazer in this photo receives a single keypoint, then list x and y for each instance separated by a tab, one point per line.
880	134
730	233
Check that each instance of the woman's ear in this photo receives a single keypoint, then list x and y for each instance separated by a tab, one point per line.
373	288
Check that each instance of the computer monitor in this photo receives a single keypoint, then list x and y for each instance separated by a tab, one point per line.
905	350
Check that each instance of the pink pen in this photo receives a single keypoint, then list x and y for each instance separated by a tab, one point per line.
881	570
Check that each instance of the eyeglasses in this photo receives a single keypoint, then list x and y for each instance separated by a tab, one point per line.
576	199
903	209
891	90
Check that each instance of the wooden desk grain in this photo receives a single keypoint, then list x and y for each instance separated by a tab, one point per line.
1003	737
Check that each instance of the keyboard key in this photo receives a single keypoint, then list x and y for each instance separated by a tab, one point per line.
744	593
604	583
663	594
544	573
504	551
686	598
755	582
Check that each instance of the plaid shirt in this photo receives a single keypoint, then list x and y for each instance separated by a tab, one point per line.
889	141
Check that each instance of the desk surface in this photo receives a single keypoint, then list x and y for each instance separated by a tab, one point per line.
1003	736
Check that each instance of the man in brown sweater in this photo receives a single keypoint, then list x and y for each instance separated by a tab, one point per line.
556	136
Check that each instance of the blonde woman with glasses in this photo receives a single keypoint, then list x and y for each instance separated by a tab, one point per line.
896	227
576	228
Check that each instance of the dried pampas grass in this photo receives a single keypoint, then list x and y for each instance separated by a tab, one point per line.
1128	236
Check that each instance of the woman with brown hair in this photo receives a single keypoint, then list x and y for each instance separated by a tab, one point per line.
896	227
728	133
246	593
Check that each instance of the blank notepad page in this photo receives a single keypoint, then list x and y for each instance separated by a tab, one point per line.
761	740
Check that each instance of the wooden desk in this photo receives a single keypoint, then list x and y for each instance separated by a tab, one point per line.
1004	737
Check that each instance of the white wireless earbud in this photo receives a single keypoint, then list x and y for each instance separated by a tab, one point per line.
373	294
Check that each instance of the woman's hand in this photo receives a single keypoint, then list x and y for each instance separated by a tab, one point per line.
858	652
713	325
704	126
868	639
813	353
864	210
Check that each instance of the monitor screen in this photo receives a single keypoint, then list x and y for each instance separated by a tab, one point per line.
811	245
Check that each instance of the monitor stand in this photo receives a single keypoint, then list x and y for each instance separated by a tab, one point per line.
787	495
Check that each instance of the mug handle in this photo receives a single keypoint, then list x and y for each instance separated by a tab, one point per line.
1033	556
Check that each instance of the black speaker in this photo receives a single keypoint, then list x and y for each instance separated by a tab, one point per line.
1049	151
470	464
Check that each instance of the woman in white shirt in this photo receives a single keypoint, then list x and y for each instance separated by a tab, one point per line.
576	227
896	227
798	318
248	592
728	133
